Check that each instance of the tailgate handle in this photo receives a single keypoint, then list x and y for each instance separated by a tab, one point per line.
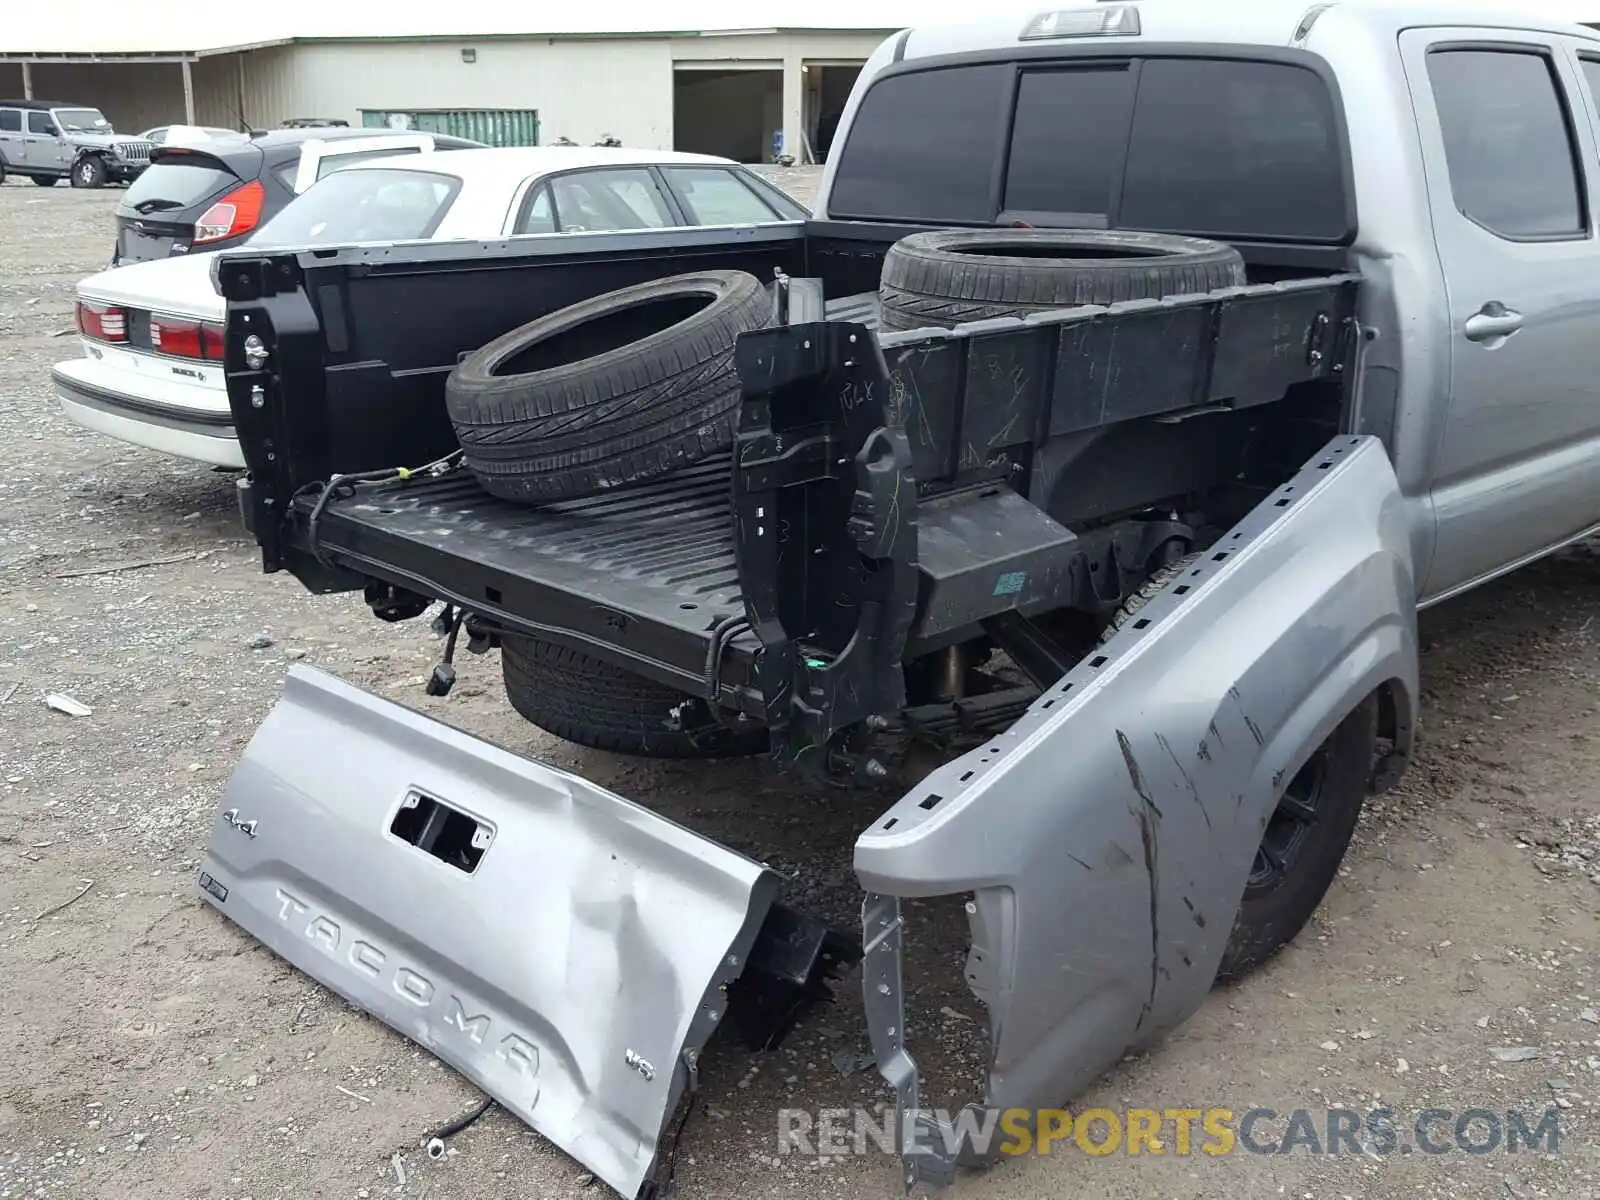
437	829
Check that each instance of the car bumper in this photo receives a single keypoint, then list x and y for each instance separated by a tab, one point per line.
98	399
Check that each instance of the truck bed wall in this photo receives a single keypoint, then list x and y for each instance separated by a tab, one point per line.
394	332
394	323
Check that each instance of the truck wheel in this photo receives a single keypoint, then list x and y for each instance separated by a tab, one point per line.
89	172
950	277
1308	833
620	388
1303	844
590	702
46	180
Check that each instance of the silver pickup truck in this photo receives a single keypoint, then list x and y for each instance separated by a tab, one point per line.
1172	357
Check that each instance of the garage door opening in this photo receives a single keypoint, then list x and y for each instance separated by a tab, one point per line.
827	88
729	112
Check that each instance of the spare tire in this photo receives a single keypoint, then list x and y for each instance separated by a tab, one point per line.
950	277
588	701
620	388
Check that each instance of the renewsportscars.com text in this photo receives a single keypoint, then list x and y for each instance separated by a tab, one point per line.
1212	1132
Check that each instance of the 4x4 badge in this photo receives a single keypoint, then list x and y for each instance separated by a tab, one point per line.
245	827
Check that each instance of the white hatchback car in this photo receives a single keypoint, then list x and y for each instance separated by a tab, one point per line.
151	371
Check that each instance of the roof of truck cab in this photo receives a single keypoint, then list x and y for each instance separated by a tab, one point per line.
1258	23
516	163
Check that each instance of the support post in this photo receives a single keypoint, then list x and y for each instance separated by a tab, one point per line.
188	92
794	92
27	80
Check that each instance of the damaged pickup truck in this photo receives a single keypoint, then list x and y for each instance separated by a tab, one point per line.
1081	466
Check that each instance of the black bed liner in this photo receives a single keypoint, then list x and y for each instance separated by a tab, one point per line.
648	569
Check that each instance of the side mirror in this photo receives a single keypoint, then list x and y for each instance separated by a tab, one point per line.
52	131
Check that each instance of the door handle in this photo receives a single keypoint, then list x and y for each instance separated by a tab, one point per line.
1493	320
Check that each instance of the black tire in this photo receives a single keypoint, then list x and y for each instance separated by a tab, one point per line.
2	170
949	277
1147	592
46	180
1321	804
89	172
590	702
613	395
1309	830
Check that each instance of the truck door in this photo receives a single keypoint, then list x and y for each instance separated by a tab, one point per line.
41	142
1507	151
11	137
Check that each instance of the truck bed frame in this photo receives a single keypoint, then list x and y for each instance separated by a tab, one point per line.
887	497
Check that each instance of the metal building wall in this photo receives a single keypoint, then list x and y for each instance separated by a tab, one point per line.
789	52
133	96
581	89
137	96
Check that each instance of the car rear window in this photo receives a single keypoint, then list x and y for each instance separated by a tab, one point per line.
173	184
373	205
1210	146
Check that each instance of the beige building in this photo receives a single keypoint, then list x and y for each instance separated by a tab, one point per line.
502	68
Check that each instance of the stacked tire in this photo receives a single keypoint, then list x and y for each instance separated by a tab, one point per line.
950	277
619	389
614	390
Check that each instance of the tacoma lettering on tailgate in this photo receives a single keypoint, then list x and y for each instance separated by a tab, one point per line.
362	956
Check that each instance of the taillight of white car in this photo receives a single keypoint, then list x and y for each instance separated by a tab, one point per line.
102	322
175	337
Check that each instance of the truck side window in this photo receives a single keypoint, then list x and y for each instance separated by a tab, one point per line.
1508	142
40	122
922	147
10	121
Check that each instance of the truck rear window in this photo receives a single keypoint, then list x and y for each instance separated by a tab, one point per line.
1208	146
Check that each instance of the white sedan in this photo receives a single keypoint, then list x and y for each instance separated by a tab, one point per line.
151	371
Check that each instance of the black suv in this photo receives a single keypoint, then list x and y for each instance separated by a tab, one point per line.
215	193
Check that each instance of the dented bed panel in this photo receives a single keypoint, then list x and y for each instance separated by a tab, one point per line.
560	946
1107	836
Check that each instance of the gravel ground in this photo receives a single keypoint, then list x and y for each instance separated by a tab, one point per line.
153	1050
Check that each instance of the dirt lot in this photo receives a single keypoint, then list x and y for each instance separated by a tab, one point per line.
150	1049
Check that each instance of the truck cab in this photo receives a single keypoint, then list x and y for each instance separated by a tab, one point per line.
1194	526
1460	184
